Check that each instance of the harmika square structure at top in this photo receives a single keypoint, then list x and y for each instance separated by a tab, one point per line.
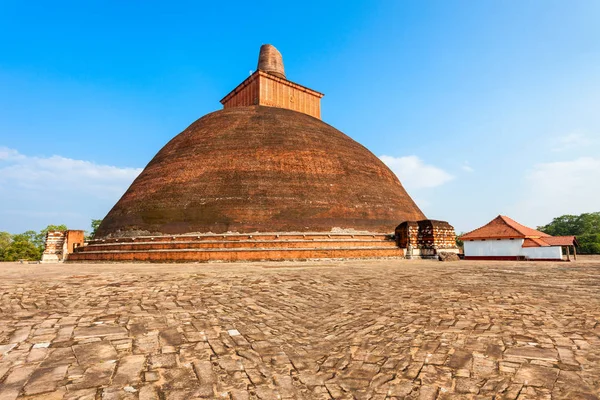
268	86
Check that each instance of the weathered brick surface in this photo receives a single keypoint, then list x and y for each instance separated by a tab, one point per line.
236	254
261	169
426	235
245	237
312	330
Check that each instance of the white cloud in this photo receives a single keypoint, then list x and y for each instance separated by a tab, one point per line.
7	154
558	188
466	167
414	173
36	188
571	141
56	173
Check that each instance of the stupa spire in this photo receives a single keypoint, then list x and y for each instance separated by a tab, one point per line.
270	61
268	86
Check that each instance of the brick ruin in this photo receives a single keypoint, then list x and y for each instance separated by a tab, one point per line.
426	238
60	244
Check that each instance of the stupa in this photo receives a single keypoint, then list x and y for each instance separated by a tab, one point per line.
262	179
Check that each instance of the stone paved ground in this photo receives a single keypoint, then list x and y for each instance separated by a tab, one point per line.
319	330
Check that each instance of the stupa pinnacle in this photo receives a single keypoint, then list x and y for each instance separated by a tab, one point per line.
270	61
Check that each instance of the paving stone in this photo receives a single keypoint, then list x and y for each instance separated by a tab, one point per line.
148	392
129	370
370	329
170	337
13	383
162	360
81	394
95	352
5	349
45	379
64	333
534	353
151	376
37	355
206	377
99	331
95	376
237	394
536	375
59	356
118	393
59	394
20	335
179	378
401	388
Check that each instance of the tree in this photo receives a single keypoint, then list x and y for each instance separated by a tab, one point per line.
23	247
5	240
459	242
95	224
585	226
27	236
28	245
22	250
589	243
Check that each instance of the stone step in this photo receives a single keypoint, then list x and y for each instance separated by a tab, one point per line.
215	244
246	237
240	254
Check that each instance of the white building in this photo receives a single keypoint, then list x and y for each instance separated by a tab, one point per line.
505	239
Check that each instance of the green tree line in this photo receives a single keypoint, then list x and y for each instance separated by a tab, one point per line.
585	226
29	245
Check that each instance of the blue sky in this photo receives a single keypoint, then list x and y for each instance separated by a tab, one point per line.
480	107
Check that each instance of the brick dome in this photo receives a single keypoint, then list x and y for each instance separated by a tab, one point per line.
261	169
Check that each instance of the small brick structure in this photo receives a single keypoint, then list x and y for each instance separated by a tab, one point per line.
426	238
59	244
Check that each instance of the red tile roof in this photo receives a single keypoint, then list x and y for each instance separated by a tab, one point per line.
503	227
529	242
561	240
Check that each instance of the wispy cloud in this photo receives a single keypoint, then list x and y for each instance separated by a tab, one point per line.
35	189
571	141
7	154
466	167
558	188
56	173
414	173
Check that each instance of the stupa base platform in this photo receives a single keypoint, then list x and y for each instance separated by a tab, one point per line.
238	247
